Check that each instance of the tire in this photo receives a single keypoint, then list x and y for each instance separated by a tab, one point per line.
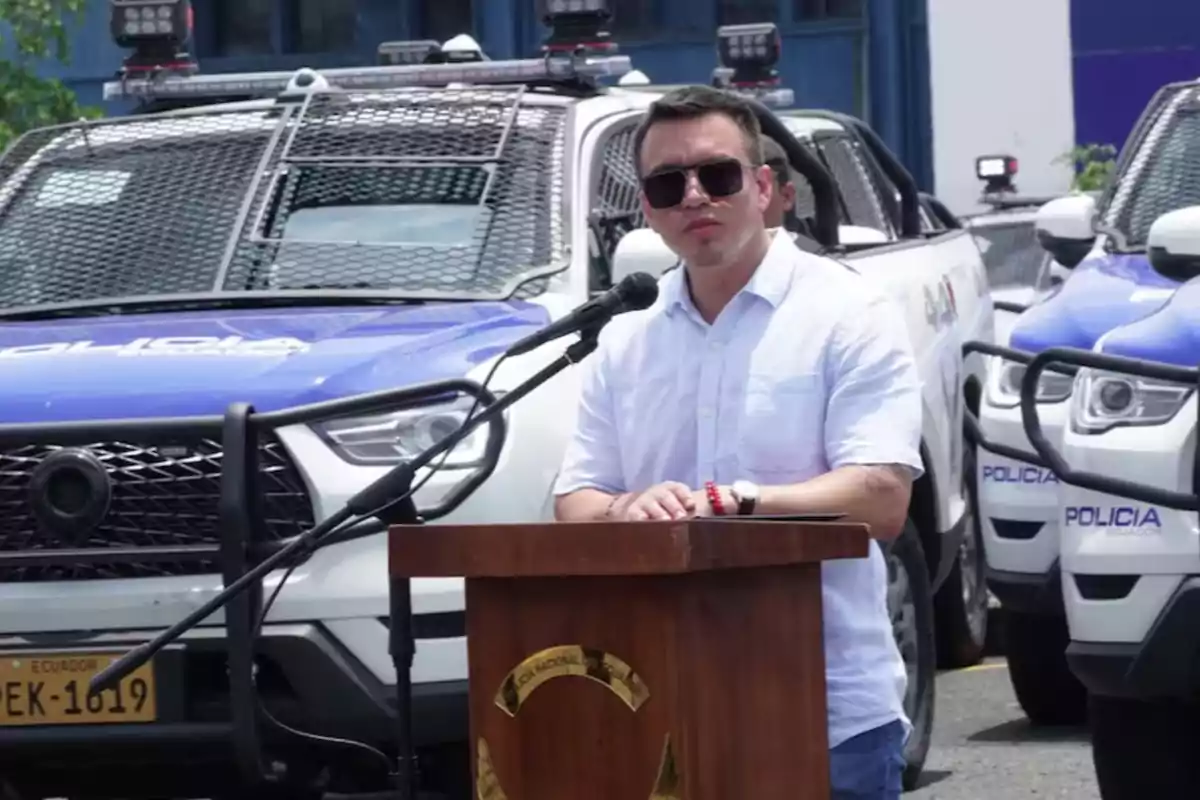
1143	749
961	603
1035	646
910	605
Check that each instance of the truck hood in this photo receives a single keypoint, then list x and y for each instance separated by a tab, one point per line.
197	363
1101	294
1170	335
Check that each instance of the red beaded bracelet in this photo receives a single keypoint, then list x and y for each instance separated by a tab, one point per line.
714	498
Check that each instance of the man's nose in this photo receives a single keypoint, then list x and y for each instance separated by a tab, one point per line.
693	192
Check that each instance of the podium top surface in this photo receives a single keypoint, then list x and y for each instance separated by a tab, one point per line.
617	548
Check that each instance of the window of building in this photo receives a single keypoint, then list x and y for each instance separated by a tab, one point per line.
243	27
443	19
807	10
323	26
741	12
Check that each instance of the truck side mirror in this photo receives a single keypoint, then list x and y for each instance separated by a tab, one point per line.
1174	244
1066	228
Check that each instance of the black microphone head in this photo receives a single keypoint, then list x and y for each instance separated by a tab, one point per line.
637	291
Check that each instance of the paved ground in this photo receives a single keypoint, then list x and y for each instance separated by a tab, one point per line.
984	749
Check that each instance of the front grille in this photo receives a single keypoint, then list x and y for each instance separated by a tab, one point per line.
162	496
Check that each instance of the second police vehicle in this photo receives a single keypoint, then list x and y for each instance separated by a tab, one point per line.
311	244
1126	455
1031	556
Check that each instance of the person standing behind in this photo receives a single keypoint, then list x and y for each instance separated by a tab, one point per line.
764	380
783	190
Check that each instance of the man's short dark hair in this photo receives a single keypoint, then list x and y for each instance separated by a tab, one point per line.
776	158
690	102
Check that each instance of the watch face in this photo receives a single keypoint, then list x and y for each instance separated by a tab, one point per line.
745	489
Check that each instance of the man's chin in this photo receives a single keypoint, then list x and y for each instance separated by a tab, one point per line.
702	256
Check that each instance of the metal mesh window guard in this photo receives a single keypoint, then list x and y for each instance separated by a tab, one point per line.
420	193
1165	173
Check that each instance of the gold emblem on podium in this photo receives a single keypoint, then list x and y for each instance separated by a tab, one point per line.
572	660
584	662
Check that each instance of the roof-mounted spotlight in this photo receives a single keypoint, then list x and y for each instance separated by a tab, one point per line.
748	54
417	51
751	52
634	78
577	26
158	31
459	49
997	173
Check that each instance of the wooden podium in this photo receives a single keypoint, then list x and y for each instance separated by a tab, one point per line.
701	642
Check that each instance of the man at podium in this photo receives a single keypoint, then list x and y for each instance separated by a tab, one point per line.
765	380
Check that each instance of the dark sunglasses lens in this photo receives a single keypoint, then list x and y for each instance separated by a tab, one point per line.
721	179
664	189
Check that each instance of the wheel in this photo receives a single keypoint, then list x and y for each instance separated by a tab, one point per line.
1035	646
911	608
1143	749
961	604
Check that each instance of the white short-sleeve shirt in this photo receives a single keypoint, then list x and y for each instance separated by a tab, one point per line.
807	369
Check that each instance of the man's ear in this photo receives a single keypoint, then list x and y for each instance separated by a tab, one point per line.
788	191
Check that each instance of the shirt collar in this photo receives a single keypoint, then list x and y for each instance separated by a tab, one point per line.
769	282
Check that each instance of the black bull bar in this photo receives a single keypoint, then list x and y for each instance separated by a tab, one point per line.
242	543
1068	361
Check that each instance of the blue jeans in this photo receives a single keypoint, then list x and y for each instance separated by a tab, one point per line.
868	766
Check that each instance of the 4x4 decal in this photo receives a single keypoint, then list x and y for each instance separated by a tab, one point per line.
941	308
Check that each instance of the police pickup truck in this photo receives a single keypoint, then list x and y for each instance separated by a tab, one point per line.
1032	544
1126	456
216	317
1019	269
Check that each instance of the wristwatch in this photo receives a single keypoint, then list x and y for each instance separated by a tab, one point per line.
746	495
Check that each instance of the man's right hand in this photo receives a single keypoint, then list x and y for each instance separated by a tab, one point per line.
670	500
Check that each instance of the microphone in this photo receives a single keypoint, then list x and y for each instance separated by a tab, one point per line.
635	292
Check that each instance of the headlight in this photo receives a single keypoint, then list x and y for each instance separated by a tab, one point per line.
1053	387
1105	400
381	440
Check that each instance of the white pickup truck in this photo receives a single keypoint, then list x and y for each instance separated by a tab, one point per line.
1125	454
305	243
1111	281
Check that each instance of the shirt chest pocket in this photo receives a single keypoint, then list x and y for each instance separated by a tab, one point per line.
782	424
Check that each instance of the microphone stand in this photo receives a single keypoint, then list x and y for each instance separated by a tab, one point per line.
391	489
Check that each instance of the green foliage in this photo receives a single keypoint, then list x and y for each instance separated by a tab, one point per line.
1094	166
32	31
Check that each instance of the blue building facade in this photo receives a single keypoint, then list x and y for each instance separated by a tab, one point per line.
864	57
1122	53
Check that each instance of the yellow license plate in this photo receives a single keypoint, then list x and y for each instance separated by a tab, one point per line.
52	689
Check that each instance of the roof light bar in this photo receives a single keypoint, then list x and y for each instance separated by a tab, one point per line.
270	84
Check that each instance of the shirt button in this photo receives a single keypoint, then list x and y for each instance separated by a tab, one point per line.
715	345
706	412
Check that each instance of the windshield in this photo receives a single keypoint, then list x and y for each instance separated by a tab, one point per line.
415	225
423	193
1163	173
1011	254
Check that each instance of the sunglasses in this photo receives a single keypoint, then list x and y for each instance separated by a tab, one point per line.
720	178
